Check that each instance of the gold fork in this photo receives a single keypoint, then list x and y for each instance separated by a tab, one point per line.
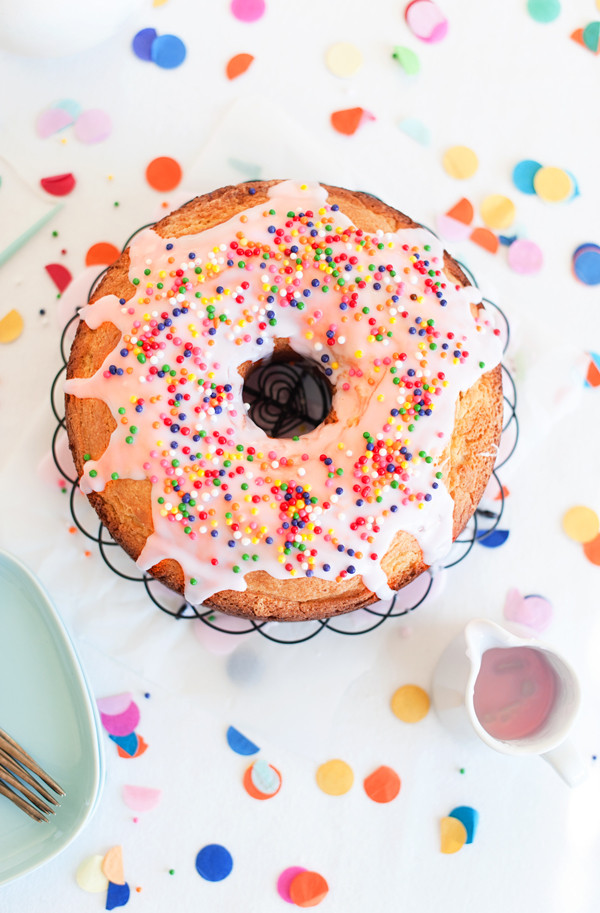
18	773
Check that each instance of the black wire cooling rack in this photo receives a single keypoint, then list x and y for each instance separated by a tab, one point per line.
278	400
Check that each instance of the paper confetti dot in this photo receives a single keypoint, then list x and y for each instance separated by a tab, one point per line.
453	835
142	43
284	881
343	59
121	723
262	780
141	798
452	228
462	211
410	703
578	36
534	612
581	524
239	743
552	184
11	326
117	895
348	120
592	378
93	126
308	889
426	21
407	59
168	51
493	539
383	785
102	254
335	777
238	65
416	129
469	818
586	264
591	36
486	239
460	162
525	257
124	753
164	173
591	550
59	185
89	875
523	175
248	10
128	743
112	865
543	10
59	274
115	703
497	211
214	862
52	121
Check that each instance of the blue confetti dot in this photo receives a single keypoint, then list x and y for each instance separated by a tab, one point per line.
494	539
117	895
128	743
239	743
168	51
214	862
586	264
469	817
523	175
142	43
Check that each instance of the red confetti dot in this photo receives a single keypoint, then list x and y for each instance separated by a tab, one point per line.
102	254
59	185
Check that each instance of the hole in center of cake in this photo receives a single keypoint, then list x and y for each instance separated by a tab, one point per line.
287	395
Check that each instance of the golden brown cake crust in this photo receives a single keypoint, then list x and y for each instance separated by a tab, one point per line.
125	506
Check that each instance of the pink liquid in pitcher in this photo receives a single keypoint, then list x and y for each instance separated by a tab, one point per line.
514	692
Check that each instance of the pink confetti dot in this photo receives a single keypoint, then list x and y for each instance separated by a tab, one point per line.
426	21
284	881
525	257
93	126
248	10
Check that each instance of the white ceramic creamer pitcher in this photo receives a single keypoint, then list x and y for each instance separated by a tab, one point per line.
517	696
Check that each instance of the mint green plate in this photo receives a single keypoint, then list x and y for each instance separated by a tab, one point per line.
46	705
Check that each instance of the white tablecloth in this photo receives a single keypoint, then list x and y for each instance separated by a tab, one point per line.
511	89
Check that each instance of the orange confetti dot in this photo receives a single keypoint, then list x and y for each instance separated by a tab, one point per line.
462	211
112	865
347	121
11	326
164	173
591	550
308	889
238	65
102	254
486	239
251	788
382	785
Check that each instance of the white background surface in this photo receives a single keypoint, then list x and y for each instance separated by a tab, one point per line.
509	88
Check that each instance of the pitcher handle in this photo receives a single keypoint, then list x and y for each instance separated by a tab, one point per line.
567	762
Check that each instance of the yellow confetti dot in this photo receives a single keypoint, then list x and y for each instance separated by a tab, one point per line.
453	835
498	211
89	875
335	777
460	162
11	326
410	703
343	59
553	184
581	524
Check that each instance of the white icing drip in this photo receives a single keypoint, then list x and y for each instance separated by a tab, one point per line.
365	392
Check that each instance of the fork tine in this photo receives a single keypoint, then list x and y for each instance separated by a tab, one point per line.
31	810
15	784
14	749
9	763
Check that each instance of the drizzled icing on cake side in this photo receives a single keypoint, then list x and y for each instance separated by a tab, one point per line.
396	338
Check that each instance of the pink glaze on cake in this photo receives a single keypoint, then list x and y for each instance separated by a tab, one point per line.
396	338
